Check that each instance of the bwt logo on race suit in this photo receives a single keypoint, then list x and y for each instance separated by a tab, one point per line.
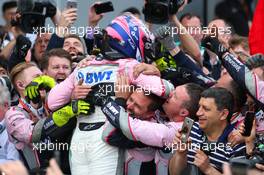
96	77
96	74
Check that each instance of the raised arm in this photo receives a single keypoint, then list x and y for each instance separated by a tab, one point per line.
238	71
188	42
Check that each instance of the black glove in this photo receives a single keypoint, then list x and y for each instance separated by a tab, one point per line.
213	44
177	76
100	94
180	75
23	44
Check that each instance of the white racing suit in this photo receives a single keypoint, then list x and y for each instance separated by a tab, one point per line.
88	153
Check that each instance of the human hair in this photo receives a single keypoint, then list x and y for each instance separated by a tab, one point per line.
73	36
8	5
223	99
189	16
132	10
4	96
54	53
237	40
78	38
17	71
194	91
156	101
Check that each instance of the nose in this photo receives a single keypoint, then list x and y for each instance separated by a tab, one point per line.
42	43
130	106
199	112
61	70
72	47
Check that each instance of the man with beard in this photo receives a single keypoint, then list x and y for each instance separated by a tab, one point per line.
142	123
57	64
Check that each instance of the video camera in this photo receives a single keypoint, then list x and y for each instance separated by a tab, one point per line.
33	14
158	11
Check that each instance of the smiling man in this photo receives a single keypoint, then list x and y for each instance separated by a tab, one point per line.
212	128
57	64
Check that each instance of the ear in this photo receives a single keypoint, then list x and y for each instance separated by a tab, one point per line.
20	85
184	112
224	114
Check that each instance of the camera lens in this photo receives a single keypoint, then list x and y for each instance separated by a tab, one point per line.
156	13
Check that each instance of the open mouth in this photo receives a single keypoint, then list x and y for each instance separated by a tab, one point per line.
60	79
73	54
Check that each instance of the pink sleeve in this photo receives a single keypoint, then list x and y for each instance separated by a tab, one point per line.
18	126
155	84
61	93
154	134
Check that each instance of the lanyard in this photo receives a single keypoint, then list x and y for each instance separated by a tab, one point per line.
35	114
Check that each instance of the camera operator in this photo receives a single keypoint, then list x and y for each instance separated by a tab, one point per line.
9	10
28	21
7	50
